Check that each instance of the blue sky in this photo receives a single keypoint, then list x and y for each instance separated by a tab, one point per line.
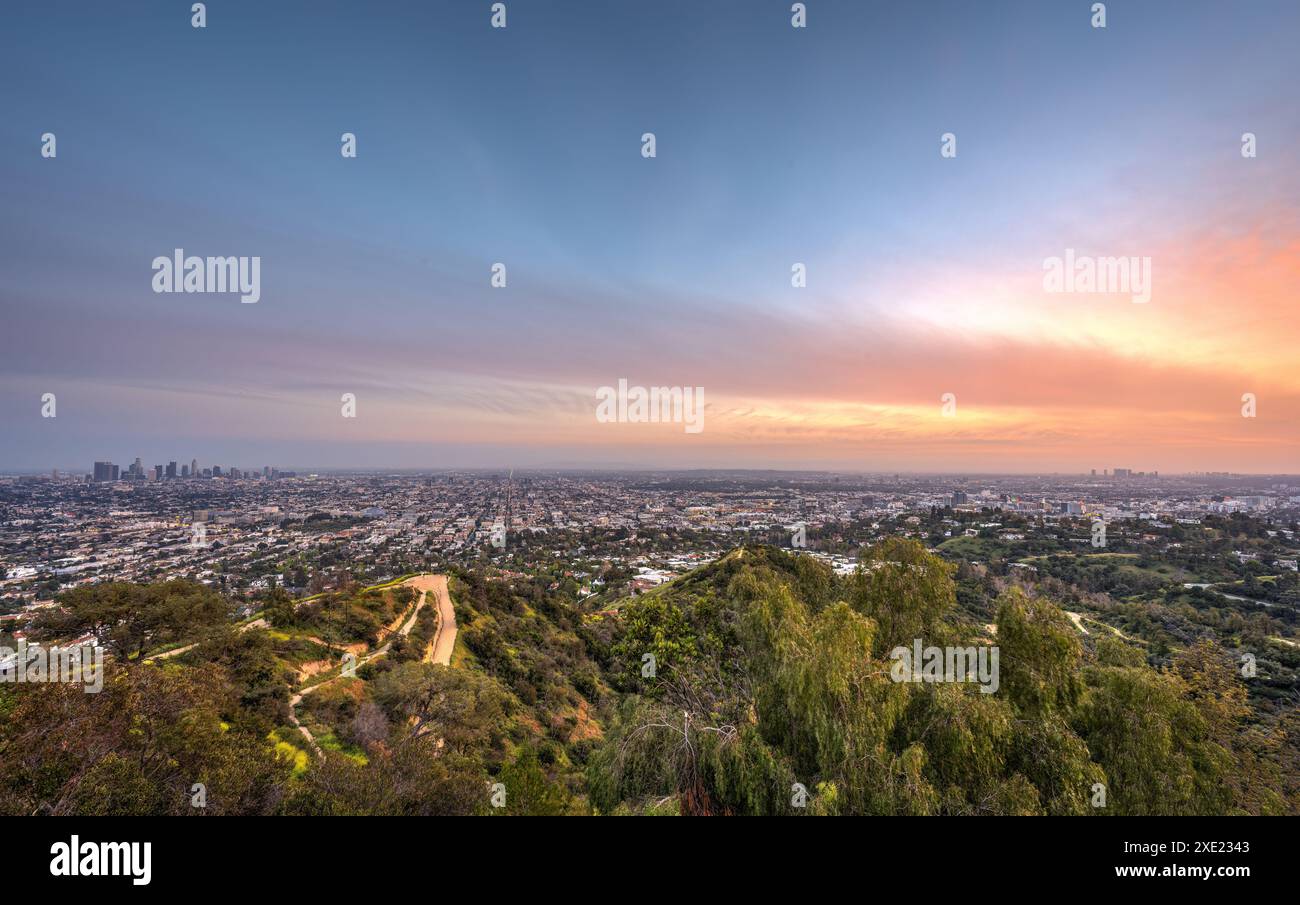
521	145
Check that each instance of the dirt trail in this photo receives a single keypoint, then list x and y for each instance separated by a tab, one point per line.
444	640
439	650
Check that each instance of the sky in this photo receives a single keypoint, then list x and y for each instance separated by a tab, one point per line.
774	146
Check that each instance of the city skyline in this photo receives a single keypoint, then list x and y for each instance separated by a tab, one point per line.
190	470
106	470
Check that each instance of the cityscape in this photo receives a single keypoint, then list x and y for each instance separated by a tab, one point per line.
58	532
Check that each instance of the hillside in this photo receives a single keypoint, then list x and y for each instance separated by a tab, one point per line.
762	683
261	713
773	678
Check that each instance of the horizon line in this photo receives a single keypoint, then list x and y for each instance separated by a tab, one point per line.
613	469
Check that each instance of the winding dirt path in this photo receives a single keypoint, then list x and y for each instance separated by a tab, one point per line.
438	651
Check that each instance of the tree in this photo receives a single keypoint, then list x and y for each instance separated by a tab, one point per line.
905	590
259	682
130	619
653	625
528	790
136	747
280	608
465	710
1145	734
1039	654
411	780
1239	759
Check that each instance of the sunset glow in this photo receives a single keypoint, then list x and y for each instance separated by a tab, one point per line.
925	276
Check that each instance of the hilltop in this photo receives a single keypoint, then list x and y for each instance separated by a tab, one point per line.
772	693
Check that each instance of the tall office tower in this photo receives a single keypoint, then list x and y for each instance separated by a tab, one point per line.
102	470
171	469
266	471
157	472
138	467
194	468
216	471
114	472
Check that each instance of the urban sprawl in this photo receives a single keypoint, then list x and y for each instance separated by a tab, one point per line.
246	531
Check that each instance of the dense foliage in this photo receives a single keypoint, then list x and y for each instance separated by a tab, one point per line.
760	684
763	686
